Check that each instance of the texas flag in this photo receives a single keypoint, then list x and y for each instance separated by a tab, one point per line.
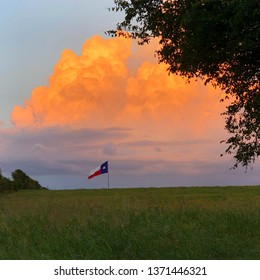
103	168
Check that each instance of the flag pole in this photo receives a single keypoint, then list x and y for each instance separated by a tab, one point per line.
107	176
108	180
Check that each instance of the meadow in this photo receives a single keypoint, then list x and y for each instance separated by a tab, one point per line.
153	223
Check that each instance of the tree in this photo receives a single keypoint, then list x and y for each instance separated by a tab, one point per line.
215	40
6	185
23	181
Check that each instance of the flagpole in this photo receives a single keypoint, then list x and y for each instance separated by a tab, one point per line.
108	180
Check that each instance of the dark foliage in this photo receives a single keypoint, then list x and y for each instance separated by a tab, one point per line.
21	181
6	185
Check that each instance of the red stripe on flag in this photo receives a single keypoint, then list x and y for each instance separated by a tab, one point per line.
98	172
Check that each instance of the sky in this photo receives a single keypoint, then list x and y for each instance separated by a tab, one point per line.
73	98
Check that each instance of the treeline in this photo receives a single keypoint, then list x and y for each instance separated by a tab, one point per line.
20	181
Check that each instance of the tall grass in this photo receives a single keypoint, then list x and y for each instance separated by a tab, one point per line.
166	223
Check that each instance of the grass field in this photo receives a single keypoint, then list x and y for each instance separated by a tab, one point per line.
156	223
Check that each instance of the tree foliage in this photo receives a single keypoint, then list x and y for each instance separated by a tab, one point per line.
216	40
21	181
6	185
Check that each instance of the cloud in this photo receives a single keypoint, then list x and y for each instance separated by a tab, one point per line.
61	157
81	89
96	88
108	103
109	149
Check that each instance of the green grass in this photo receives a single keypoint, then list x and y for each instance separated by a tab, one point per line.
164	223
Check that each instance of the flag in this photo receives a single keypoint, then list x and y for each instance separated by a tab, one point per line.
103	168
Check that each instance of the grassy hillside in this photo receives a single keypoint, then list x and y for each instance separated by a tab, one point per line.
166	223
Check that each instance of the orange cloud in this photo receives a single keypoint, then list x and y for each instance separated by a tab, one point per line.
107	85
98	86
82	88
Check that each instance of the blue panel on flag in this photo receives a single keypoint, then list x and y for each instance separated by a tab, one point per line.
104	167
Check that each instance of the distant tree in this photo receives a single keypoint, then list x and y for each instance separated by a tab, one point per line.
23	181
6	185
216	40
20	178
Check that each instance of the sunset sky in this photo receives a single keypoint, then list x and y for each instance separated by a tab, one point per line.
72	98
